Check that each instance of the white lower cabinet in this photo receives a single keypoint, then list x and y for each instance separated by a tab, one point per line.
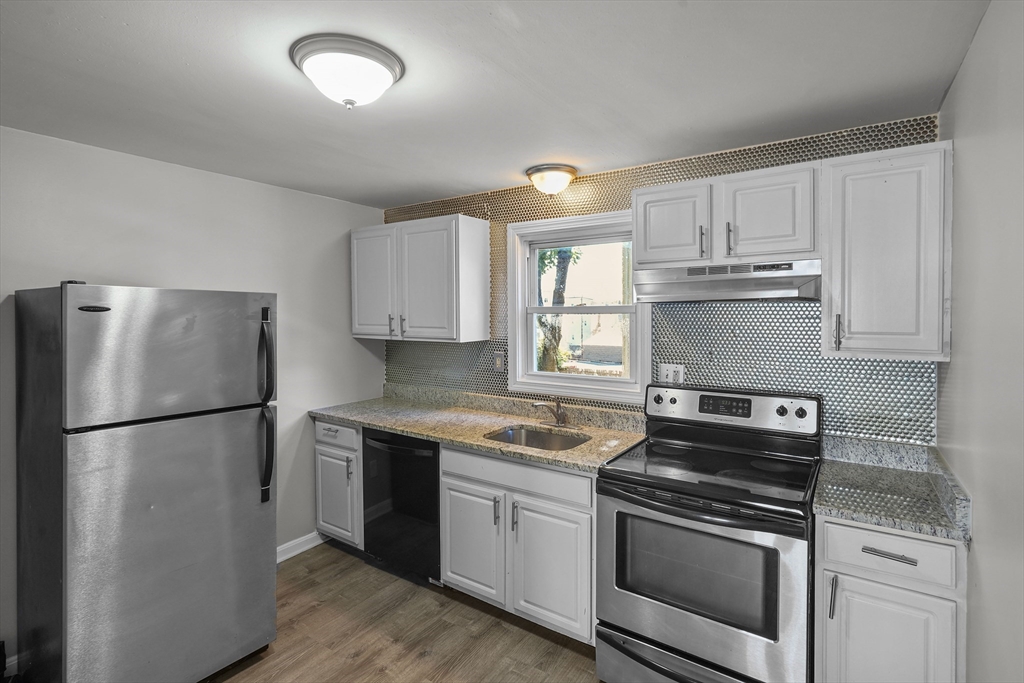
473	539
339	487
551	564
521	537
890	607
885	633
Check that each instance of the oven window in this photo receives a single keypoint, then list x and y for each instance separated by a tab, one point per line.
729	581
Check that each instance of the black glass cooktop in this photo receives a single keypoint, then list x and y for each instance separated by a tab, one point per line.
716	473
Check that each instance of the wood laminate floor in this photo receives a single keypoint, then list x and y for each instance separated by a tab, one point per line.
342	619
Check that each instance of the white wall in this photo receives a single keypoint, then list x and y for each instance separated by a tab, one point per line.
69	211
981	392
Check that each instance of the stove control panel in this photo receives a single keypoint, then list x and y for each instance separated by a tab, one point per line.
791	414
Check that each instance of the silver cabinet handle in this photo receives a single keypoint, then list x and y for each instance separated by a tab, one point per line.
728	238
515	516
889	556
348	468
332	430
391	325
839	339
832	599
401	324
701	228
497	512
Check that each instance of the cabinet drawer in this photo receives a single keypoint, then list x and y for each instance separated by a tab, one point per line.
337	435
891	554
538	480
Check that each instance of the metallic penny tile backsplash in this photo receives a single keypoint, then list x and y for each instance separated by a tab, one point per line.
776	346
860	396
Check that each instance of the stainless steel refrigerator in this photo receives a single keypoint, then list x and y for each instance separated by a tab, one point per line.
146	495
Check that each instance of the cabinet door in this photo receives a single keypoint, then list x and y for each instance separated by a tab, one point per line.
426	256
339	508
884	633
766	214
373	283
885	262
473	539
671	225
551	565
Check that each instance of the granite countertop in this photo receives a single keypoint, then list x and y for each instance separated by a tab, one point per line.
919	496
465	428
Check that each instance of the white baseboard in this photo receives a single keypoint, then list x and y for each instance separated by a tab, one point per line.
299	545
374	511
12	665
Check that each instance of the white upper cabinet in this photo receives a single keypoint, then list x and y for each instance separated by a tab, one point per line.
763	215
886	254
425	279
428	296
374	281
672	224
767	214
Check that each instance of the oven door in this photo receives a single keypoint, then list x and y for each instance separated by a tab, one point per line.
728	590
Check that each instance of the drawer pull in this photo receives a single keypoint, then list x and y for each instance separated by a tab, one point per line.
889	556
332	430
832	598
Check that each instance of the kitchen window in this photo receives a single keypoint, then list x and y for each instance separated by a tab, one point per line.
574	326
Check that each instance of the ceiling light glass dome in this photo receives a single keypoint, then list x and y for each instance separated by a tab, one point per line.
346	69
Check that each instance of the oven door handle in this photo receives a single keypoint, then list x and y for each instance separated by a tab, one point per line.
770	526
655	667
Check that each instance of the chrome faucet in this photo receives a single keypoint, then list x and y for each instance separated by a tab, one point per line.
561	419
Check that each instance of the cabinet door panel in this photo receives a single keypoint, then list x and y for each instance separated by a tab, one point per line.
473	539
551	565
373	282
339	503
768	214
886	263
668	224
884	633
427	258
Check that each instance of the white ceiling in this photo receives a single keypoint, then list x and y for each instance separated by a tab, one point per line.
490	87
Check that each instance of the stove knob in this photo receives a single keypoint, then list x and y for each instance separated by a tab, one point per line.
800	413
658	399
673	400
781	411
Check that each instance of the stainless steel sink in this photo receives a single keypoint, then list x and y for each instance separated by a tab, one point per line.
535	437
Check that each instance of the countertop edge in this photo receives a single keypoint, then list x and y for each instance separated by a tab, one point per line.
530	455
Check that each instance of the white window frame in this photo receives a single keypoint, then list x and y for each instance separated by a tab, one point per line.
522	238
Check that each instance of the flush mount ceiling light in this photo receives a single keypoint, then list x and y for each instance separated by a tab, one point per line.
348	70
551	178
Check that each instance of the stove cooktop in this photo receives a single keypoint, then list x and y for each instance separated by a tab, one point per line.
715	473
732	446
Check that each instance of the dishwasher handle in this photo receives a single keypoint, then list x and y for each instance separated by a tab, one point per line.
399	450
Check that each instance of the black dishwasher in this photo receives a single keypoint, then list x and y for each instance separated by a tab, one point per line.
401	523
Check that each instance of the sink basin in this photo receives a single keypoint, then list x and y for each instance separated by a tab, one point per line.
535	437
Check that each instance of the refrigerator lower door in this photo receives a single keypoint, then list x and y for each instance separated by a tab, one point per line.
136	353
170	551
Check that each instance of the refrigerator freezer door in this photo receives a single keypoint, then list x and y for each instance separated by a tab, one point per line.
171	555
133	353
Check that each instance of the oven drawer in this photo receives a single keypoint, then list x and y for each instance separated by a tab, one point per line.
891	554
337	435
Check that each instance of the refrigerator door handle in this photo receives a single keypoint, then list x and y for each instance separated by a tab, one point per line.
270	448
267	338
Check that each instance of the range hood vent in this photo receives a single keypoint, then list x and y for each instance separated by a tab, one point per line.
776	280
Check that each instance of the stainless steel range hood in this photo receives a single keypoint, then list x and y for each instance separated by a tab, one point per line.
774	280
